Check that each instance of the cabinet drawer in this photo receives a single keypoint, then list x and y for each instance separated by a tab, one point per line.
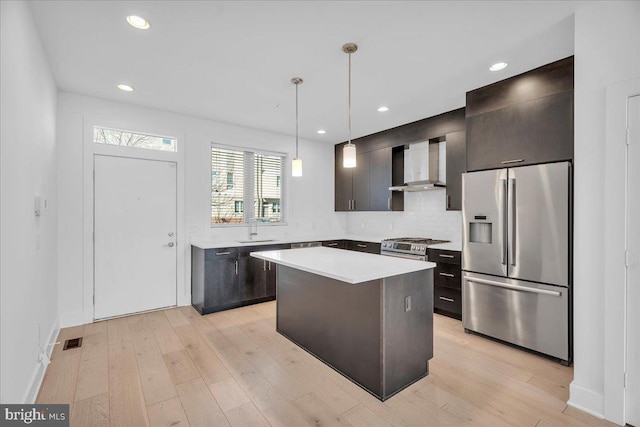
338	244
220	253
441	255
447	299
372	248
447	275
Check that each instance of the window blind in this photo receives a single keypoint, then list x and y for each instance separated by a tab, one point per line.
227	185
267	189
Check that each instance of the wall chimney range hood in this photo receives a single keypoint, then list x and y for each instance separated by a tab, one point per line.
424	167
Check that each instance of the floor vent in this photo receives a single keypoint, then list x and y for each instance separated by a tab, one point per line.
72	343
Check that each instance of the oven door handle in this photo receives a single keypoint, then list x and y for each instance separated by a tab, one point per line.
399	255
513	287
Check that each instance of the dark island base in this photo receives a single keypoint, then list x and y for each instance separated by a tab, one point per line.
379	334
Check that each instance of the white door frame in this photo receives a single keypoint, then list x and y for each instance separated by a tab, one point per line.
614	288
90	149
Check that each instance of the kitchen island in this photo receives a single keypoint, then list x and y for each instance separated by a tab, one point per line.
370	317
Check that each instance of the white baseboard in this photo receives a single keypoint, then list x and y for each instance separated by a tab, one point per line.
586	400
38	374
74	318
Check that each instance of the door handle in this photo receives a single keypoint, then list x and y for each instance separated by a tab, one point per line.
362	246
513	287
236	267
171	244
447	299
506	162
512	221
388	203
503	203
264	265
447	275
446	256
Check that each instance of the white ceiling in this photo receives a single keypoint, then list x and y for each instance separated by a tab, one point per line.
233	61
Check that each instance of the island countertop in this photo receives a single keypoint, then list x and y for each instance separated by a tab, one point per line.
346	266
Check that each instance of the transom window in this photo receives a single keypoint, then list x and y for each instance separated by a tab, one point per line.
245	185
124	138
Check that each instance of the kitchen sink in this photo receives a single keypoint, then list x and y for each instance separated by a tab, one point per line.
256	241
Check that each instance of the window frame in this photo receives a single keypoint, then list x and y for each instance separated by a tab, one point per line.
249	186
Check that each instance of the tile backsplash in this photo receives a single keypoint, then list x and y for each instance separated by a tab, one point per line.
424	216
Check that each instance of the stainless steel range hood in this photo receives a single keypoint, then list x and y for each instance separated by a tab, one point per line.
424	167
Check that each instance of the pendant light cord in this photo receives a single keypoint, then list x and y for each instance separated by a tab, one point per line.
349	97
296	120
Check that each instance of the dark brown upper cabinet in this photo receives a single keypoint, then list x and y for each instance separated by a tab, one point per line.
526	119
456	166
365	187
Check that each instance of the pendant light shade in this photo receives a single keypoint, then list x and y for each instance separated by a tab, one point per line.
296	167
349	156
349	150
296	163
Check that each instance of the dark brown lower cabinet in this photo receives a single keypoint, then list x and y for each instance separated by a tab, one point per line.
225	278
447	282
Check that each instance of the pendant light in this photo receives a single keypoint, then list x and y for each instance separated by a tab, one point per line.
349	150
296	163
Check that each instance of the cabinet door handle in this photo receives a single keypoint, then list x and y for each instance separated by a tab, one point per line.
362	246
236	267
447	275
446	256
506	162
447	299
354	205
264	265
332	244
223	253
388	203
269	265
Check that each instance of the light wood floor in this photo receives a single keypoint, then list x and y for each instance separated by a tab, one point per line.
177	368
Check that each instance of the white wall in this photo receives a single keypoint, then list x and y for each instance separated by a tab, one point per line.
606	52
424	216
309	199
28	286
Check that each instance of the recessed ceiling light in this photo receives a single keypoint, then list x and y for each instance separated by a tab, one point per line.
138	22
498	66
125	88
383	108
322	131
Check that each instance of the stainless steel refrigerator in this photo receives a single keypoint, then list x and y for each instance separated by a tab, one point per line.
516	256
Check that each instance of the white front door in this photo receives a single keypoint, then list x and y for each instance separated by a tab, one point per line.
134	235
633	270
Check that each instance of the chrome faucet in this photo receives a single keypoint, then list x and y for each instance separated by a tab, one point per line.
253	228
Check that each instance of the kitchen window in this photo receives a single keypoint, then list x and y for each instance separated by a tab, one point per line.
245	185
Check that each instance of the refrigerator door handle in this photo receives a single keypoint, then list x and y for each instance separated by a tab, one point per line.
502	222
511	220
514	287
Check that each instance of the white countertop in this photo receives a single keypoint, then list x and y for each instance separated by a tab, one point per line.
451	246
346	266
214	244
